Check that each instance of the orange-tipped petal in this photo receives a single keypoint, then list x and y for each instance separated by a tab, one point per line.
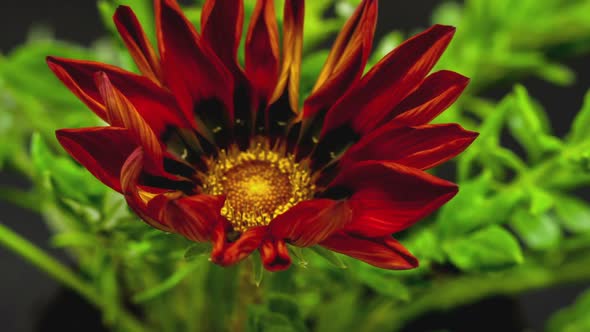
346	61
420	147
157	106
438	91
137	43
384	252
310	222
366	105
292	52
101	150
147	205
262	50
121	113
387	197
275	255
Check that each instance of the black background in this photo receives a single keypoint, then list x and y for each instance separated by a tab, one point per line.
30	301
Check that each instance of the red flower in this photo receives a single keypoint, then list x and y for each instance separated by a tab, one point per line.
202	147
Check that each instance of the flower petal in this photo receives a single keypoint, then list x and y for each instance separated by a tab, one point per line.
385	253
137	43
288	82
221	27
121	113
202	84
436	93
155	105
275	255
420	147
147	205
262	50
195	216
101	150
387	197
389	82
346	61
310	222
228	253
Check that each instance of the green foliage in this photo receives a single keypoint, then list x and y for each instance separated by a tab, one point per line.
574	318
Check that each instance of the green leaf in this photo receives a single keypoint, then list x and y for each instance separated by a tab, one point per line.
329	256
579	130
382	282
530	126
455	218
257	268
287	306
169	283
426	245
71	180
541	201
573	214
491	248
574	318
539	232
198	249
261	319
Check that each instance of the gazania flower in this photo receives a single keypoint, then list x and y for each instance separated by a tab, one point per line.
202	146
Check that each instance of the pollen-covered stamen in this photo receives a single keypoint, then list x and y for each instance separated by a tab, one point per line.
259	183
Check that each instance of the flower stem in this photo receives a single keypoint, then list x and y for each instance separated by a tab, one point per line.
36	256
454	291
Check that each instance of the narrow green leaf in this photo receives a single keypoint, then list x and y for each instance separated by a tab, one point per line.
257	268
491	248
197	250
579	130
181	273
329	256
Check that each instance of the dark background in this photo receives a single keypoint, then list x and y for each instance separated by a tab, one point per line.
30	301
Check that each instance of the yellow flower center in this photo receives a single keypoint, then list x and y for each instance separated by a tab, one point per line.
259	184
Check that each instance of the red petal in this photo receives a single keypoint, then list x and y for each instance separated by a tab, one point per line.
150	210
292	52
192	70
221	26
389	82
275	255
121	113
155	105
138	44
262	49
310	222
388	197
101	150
195	216
436	93
347	59
385	252
227	253
420	147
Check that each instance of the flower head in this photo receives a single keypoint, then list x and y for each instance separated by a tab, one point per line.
214	151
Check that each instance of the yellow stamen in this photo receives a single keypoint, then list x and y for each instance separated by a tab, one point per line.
259	183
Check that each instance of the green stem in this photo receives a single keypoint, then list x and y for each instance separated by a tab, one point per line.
36	256
455	291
